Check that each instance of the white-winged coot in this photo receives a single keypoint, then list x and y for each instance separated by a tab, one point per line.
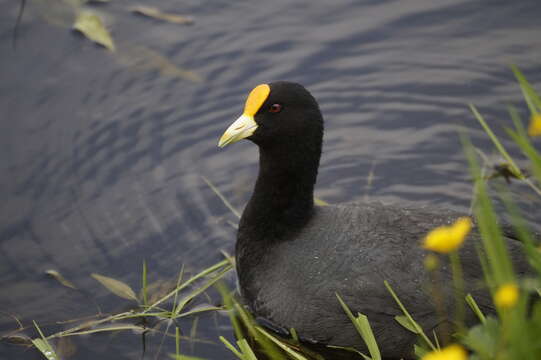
293	257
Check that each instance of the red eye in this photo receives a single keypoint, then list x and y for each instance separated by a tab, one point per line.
274	108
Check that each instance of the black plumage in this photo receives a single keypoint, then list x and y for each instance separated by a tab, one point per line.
292	257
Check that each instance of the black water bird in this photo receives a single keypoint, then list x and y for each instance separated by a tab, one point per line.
293	257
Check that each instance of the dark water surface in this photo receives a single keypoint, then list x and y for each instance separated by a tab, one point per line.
102	154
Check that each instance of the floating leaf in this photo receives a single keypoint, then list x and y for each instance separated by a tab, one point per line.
116	287
143	59
17	339
61	279
91	26
157	14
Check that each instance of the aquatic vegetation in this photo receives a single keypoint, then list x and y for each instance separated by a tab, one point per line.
151	308
91	26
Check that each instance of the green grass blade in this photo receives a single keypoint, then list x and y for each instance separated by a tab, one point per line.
131	327
521	138
407	314
247	352
521	228
200	289
350	349
475	308
419	351
207	271
295	355
491	235
268	346
145	283
530	95
404	321
244	325
527	148
199	310
179	279
44	346
184	357
177	341
368	336
363	328
294	335
513	167
231	348
219	194
229	305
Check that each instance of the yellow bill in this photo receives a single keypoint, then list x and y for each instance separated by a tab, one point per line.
245	125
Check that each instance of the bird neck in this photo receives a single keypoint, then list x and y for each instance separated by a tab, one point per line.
283	197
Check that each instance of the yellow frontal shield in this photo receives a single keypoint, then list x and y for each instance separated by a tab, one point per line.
245	125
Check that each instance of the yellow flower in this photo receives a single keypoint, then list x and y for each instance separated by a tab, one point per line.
451	352
506	296
445	239
535	125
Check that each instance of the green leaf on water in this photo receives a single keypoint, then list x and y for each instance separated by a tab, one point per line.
117	287
159	15
141	58
61	279
91	26
16	339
